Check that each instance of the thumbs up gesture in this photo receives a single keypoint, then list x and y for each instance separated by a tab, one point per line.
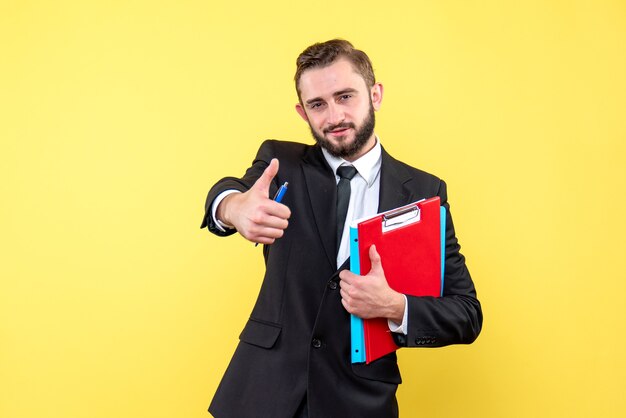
253	213
370	296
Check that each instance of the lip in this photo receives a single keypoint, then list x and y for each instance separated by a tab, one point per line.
339	132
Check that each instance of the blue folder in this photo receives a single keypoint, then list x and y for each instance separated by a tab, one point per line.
356	323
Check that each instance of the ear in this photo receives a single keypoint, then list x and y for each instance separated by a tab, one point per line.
301	112
376	94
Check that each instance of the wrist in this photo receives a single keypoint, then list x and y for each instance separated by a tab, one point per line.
396	307
223	213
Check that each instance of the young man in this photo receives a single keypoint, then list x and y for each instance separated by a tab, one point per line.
293	359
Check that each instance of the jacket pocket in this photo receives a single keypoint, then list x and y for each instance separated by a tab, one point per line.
261	334
385	369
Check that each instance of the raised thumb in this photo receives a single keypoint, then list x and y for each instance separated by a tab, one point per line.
377	264
263	183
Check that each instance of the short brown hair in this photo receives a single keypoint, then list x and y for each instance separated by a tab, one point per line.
323	54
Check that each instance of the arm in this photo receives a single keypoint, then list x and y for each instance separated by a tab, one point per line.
454	318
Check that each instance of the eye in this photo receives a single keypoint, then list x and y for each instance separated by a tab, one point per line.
345	97
315	105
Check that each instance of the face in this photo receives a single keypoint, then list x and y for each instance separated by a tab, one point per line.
339	108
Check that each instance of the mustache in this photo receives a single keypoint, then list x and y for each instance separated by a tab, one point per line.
342	125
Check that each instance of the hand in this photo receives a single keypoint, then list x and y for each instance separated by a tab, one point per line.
370	296
255	216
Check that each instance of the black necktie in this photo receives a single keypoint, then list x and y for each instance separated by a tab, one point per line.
345	174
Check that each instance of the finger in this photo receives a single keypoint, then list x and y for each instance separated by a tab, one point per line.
270	214
265	236
346	306
270	233
277	209
263	240
263	183
345	295
270	222
276	223
377	265
347	276
343	286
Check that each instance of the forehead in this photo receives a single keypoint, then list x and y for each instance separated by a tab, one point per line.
325	81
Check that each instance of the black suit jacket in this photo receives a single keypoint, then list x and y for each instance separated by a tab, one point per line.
297	340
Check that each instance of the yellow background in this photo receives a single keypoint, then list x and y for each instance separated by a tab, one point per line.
117	116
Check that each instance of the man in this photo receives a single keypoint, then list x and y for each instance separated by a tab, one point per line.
293	359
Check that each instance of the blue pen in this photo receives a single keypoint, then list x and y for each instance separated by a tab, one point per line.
278	197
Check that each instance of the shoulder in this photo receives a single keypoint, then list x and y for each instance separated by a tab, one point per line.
289	154
407	171
273	148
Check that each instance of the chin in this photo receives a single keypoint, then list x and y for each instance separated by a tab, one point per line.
340	142
340	147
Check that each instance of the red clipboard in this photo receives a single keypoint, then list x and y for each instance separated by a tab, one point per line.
408	240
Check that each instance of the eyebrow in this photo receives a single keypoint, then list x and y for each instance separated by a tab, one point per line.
335	94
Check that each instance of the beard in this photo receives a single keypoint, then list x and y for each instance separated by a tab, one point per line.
343	150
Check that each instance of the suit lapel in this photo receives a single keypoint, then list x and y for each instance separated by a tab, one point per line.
322	190
393	182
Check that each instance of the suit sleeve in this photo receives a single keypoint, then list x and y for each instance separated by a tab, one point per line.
454	318
260	163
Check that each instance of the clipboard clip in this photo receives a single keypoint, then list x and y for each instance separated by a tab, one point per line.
401	217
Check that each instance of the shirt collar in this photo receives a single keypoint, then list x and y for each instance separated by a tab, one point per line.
368	165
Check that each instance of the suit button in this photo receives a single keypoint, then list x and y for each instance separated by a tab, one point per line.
316	343
332	285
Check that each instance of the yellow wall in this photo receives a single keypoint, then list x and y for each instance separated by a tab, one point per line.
116	117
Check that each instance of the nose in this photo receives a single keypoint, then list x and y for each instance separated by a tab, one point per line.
335	115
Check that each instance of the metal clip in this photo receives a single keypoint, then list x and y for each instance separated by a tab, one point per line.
401	216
